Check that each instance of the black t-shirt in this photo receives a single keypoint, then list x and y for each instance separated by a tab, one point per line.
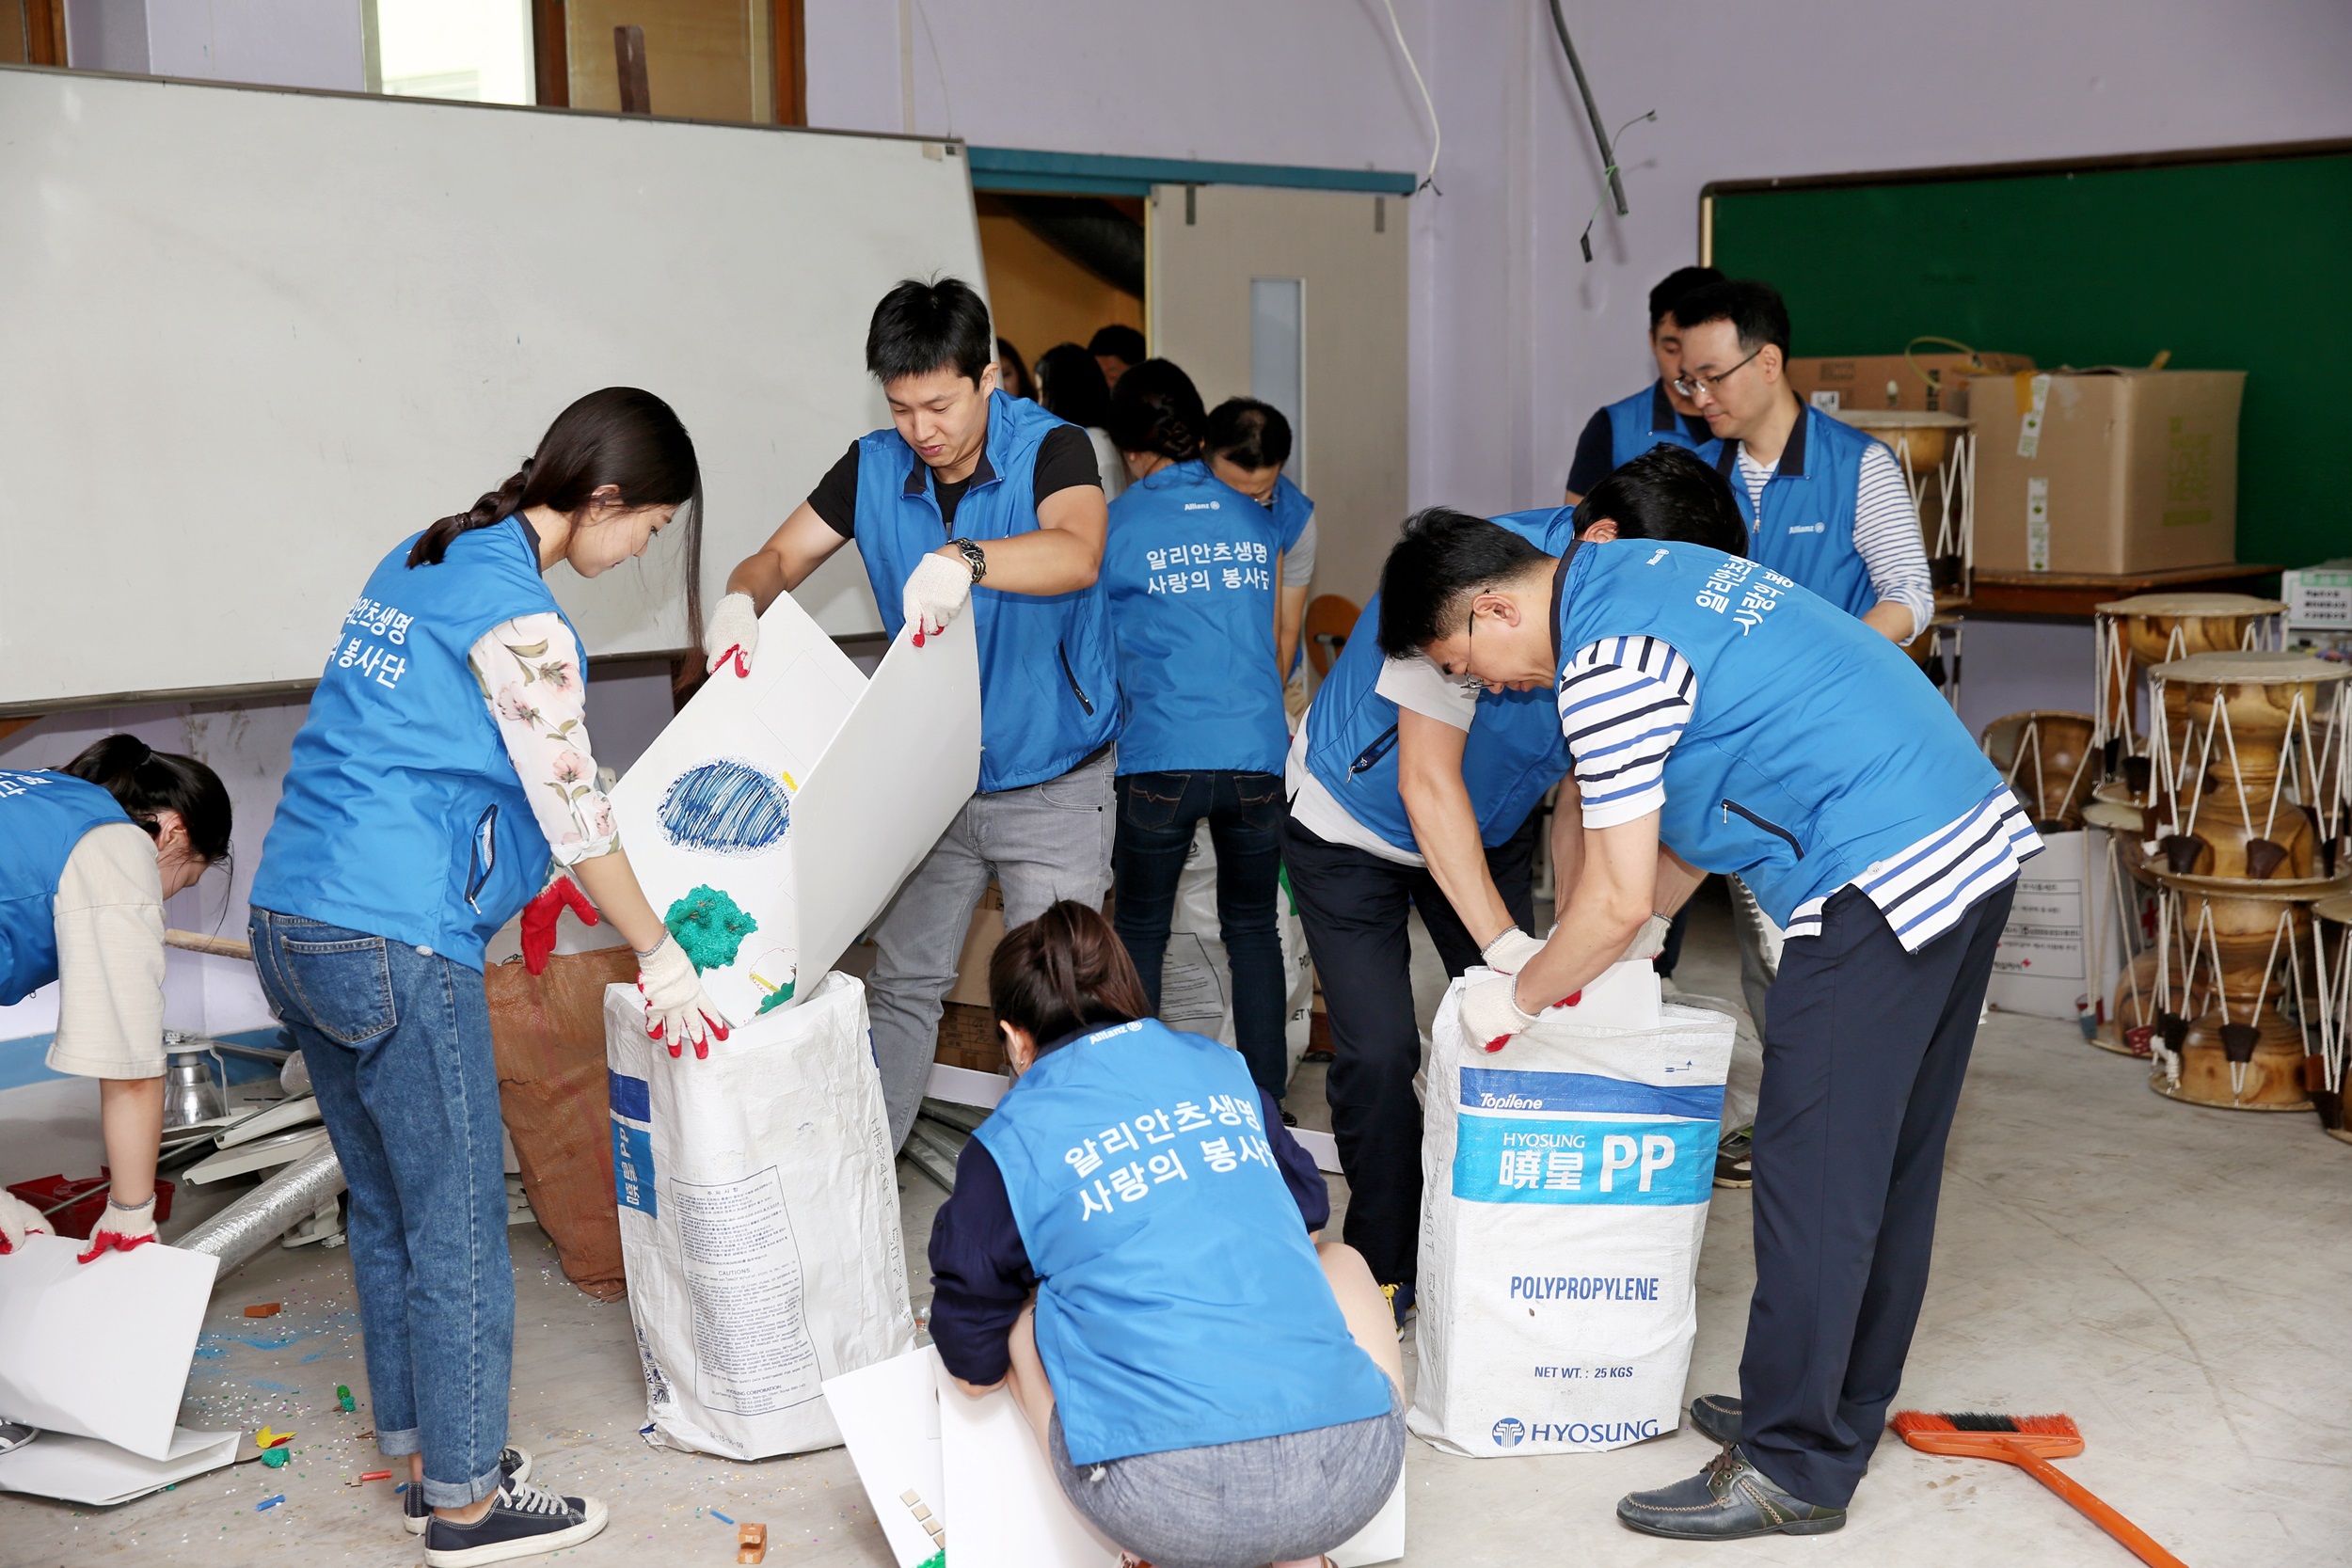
1064	458
1595	448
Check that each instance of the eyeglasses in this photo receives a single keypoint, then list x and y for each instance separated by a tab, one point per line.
1470	682
1691	386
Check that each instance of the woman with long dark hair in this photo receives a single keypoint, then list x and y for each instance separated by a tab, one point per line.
444	763
1131	1247
89	853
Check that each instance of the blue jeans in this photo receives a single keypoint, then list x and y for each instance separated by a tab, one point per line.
1157	815
398	1044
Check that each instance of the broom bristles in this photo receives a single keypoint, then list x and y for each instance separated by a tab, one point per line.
2036	1425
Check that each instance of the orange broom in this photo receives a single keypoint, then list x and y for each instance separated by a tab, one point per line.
2029	1442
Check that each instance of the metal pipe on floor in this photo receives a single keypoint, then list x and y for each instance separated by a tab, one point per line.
250	1224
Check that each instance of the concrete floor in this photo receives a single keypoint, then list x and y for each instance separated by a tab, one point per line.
2178	1280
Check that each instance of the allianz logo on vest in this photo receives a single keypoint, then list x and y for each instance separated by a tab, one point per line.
1204	506
1808	528
1511	1431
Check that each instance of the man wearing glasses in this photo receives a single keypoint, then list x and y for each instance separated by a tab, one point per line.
1825	503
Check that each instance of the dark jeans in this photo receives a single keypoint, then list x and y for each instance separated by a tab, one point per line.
1354	905
1864	1048
398	1043
1157	815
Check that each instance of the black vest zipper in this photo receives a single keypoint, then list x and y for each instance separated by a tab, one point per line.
1773	828
1370	756
1072	676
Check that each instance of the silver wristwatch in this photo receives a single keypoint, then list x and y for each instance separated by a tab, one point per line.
973	557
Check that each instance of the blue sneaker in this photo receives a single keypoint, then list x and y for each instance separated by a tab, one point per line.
1401	1303
514	1464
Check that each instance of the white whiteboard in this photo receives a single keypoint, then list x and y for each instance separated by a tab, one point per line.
251	339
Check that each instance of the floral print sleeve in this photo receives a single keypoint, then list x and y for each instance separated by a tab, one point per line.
529	669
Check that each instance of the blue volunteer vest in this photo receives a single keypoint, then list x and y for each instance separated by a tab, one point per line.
400	814
1191	568
1646	419
1815	749
1804	529
1049	686
1514	753
1181	1303
42	816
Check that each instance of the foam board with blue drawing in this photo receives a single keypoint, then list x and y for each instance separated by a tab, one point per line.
715	820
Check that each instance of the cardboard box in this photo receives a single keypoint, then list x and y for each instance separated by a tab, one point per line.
2319	598
1892	381
2106	471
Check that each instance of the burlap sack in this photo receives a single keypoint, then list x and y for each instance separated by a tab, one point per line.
548	1031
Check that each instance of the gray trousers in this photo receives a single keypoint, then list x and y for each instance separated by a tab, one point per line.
1040	844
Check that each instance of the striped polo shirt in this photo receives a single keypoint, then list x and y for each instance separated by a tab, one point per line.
1624	704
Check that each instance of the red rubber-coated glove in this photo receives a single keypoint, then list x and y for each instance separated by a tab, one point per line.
732	636
541	913
18	1220
678	1009
121	1229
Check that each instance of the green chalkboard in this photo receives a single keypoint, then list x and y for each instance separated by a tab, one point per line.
2232	265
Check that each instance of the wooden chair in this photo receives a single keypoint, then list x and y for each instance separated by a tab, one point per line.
1330	619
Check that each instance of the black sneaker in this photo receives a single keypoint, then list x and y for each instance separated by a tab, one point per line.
514	1464
1734	1160
523	1521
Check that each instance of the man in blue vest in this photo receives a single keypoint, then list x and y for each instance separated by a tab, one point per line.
968	495
1408	791
1826	504
1723	719
1622	431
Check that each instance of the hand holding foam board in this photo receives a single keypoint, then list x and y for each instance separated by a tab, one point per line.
785	806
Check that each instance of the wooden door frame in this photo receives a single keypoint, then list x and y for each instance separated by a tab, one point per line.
44	32
788	32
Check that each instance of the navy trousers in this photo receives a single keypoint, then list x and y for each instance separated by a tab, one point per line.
1864	1048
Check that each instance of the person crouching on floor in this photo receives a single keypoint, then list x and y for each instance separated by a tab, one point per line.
1131	1250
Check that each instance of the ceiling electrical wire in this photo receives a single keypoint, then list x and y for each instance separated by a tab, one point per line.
1591	110
1437	133
1585	239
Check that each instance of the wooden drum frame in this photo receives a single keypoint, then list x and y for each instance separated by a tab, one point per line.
2236	991
2322	1069
2130	637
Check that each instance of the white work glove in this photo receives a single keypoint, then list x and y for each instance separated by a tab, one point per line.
1490	1012
937	590
1511	952
120	1229
18	1220
678	1009
733	633
1649	941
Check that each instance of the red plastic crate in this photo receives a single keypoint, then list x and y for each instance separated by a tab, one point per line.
85	1201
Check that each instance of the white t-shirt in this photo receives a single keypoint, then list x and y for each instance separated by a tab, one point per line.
1411	682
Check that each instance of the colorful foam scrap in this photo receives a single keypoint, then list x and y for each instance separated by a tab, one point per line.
710	926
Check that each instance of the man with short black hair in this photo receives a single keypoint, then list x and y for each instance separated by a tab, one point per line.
1719	717
1622	431
968	495
1825	503
1117	350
